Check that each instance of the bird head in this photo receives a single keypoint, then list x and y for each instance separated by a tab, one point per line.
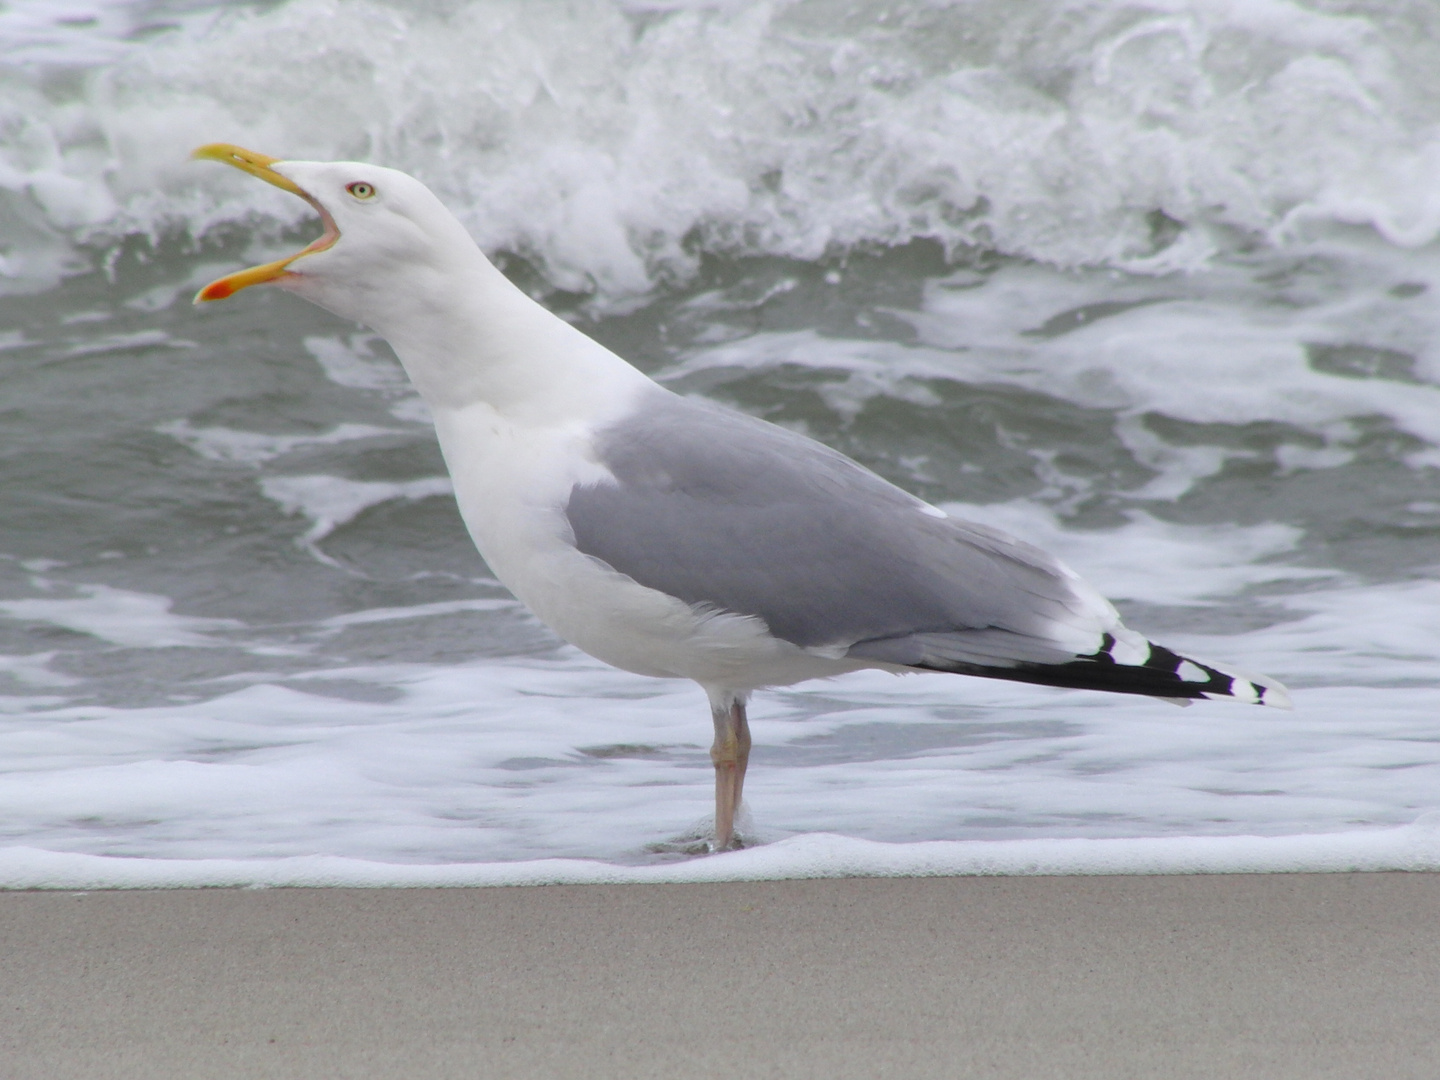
382	227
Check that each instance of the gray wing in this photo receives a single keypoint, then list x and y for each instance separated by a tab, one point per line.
723	510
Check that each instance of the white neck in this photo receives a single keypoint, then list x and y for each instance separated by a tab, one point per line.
467	336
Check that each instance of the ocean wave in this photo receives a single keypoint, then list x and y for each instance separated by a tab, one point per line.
612	144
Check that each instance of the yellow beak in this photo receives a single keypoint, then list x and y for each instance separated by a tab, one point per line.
259	165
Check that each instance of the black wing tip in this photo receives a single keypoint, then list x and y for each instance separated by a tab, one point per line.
1162	674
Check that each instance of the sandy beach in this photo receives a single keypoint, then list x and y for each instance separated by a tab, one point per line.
1305	976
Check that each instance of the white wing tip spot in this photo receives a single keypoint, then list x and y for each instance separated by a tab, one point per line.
1189	672
1129	648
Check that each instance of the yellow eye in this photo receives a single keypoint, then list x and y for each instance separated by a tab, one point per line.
360	190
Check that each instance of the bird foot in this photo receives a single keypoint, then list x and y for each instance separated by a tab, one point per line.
737	843
680	846
701	841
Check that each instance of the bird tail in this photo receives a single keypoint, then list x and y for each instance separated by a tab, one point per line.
1151	670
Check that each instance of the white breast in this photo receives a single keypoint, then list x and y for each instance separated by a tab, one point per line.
512	482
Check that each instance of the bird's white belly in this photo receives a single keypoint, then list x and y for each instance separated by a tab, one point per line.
512	483
614	619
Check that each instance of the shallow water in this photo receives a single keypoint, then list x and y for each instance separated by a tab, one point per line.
1149	284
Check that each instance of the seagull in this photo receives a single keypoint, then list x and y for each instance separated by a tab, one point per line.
672	537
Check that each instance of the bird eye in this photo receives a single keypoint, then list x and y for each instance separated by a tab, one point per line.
360	190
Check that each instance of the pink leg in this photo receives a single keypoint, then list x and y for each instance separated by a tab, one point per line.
731	753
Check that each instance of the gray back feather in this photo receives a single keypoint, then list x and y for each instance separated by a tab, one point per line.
722	510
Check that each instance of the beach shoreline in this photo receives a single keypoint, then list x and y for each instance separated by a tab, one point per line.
1282	975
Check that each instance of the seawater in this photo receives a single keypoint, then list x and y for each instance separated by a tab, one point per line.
1151	284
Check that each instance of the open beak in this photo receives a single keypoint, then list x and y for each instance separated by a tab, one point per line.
259	165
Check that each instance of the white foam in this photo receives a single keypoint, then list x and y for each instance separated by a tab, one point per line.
1152	560
600	137
112	343
417	611
352	362
256	448
1358	636
517	760
34	670
331	501
66	31
1212	348
1411	848
122	617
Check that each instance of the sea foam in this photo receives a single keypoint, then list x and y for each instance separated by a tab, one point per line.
610	143
1412	848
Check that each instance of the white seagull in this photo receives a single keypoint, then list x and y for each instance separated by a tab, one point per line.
671	537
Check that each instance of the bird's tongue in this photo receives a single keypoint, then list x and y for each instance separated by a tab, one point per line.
260	165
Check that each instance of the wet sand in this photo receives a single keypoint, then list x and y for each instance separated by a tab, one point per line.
1245	976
